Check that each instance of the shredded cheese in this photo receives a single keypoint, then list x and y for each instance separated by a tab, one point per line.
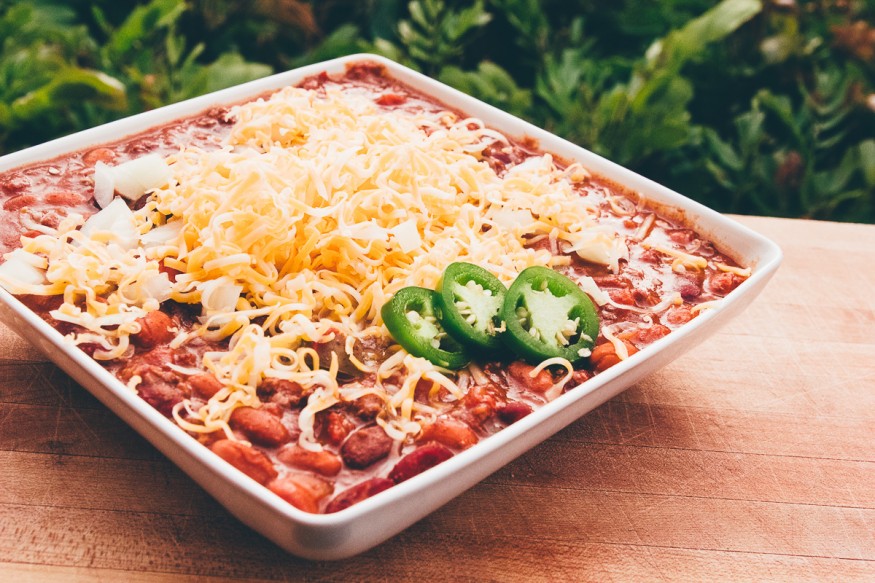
316	210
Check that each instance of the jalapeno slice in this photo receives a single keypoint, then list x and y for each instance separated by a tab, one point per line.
410	318
469	301
547	315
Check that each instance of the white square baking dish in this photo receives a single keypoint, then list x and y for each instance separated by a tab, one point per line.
364	525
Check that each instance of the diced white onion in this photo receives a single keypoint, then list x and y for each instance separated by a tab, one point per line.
104	184
134	178
407	235
162	235
117	219
19	269
219	296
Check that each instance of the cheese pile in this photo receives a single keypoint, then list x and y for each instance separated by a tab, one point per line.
319	207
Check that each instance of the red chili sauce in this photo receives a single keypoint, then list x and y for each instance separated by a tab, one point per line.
358	459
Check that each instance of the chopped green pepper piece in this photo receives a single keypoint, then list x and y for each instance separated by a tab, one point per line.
410	318
469	300
547	315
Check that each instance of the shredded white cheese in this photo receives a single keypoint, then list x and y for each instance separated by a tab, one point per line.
317	209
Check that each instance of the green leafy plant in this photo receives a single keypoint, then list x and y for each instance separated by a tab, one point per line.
747	105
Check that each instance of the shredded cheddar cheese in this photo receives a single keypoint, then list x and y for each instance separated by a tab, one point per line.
316	210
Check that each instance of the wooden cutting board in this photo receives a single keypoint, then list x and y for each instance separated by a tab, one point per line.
750	458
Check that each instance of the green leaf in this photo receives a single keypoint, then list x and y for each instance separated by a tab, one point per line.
69	87
140	24
228	70
867	161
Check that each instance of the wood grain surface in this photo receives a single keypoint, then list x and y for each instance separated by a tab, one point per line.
750	458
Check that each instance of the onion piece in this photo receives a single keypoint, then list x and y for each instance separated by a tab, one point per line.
407	235
219	296
117	219
131	179
104	184
18	269
162	235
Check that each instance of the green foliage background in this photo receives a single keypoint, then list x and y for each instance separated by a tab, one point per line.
750	106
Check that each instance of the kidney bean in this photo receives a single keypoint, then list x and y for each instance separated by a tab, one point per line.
723	283
682	236
520	372
449	432
161	395
357	493
245	458
513	411
644	336
390	99
154	330
689	290
301	491
419	460
322	462
652	256
259	426
365	447
622	296
679	315
96	155
204	384
281	391
64	198
367	407
19	202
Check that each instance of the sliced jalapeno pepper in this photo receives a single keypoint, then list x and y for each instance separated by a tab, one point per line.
548	315
410	318
469	301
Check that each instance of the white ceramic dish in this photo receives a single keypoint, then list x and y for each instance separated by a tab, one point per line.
374	520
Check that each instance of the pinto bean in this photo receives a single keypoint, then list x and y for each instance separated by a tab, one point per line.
259	426
513	411
450	432
365	447
521	371
322	462
154	330
357	493
419	460
245	458
604	356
